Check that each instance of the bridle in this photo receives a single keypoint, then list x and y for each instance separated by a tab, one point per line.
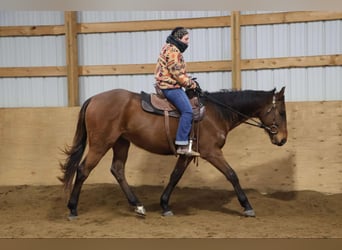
272	129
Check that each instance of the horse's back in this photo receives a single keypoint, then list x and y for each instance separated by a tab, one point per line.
116	98
110	105
114	95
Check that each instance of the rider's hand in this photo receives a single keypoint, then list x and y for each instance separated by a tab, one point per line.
192	85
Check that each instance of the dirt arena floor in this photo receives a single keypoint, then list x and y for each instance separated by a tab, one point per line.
40	212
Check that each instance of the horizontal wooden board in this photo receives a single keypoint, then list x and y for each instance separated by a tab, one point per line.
291	62
151	25
205	66
33	71
133	69
289	17
43	30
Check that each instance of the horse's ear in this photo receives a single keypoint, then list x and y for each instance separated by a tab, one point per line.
281	92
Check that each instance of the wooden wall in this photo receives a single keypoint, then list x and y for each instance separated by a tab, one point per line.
31	139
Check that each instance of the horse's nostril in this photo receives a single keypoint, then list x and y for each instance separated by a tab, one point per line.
283	141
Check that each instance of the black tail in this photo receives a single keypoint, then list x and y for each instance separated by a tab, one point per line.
75	152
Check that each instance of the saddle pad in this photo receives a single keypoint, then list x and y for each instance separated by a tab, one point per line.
158	106
161	103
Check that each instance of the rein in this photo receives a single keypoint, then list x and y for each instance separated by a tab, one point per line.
273	129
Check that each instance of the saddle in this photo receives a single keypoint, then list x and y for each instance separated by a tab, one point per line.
156	103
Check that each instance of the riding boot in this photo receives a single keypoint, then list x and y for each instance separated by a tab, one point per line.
187	150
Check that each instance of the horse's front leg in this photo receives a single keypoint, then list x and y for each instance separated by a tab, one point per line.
181	165
218	161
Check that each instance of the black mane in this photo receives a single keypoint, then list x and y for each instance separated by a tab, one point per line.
243	101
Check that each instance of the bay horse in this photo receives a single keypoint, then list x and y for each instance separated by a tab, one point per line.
114	119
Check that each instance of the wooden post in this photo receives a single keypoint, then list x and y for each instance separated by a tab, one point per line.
70	19
236	49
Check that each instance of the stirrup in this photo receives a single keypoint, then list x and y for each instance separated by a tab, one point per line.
187	151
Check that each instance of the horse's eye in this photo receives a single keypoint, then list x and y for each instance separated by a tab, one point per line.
282	113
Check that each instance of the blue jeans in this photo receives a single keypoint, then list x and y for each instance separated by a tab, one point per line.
181	101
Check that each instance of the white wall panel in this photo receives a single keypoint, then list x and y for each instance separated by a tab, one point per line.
302	84
92	85
315	34
333	83
114	16
296	39
214	81
32	51
333	37
33	92
18	18
144	47
280	40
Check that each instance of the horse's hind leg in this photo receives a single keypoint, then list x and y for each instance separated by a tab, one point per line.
83	171
181	165
120	151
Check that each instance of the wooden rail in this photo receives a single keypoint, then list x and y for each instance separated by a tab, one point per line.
290	17
154	25
43	30
212	66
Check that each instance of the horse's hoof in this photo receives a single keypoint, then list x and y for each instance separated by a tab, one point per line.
73	214
140	210
72	217
249	213
167	213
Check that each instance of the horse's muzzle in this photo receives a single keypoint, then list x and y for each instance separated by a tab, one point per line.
279	143
282	142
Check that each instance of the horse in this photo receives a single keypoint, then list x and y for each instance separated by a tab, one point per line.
114	119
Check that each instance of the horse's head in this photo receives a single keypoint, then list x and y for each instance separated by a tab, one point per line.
273	117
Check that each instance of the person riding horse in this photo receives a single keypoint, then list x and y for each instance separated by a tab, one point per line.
171	79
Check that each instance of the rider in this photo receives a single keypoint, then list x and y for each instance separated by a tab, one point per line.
171	79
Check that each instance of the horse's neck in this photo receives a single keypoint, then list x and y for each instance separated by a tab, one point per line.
250	106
